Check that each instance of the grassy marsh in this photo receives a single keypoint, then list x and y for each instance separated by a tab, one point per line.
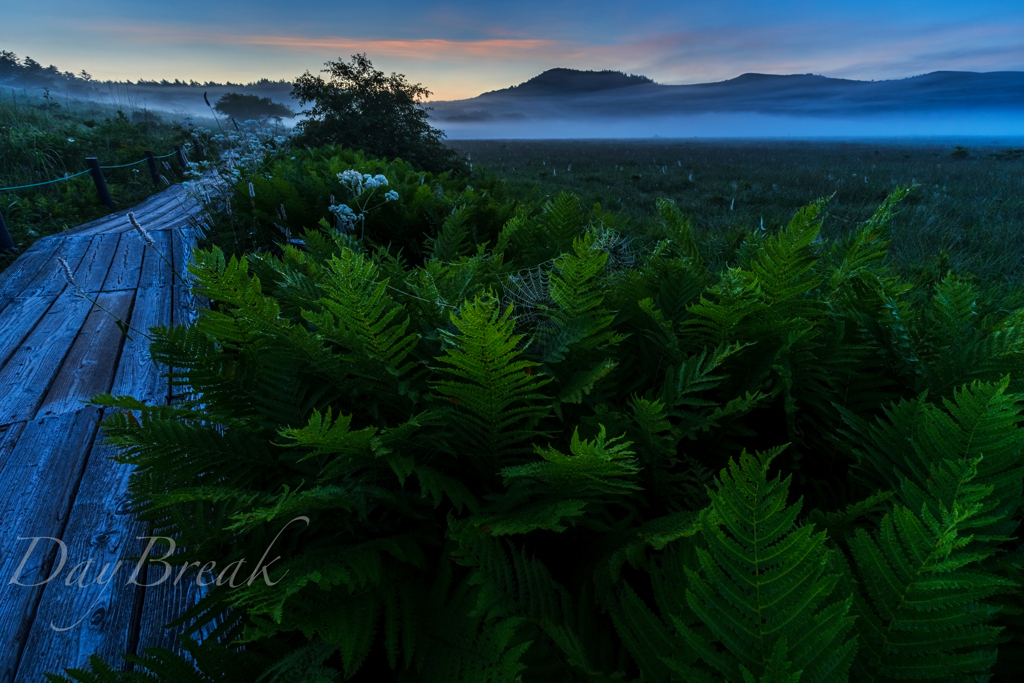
44	138
968	203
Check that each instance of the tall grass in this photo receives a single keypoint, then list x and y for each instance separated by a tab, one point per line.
43	137
968	205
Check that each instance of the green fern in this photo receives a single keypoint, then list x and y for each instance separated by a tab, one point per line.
496	405
925	616
766	609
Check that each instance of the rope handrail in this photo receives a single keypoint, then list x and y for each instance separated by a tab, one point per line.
134	163
48	182
69	177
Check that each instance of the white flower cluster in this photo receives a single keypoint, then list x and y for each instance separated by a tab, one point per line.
358	184
346	217
391	196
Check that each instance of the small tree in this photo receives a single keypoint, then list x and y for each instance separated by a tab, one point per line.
244	107
361	108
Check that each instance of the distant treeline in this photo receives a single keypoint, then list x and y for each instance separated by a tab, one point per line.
27	71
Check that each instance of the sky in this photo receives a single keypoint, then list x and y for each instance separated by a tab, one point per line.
459	49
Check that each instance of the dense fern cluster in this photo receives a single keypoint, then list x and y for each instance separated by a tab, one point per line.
297	192
504	459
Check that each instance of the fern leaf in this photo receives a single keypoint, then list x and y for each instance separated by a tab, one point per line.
925	617
761	593
498	402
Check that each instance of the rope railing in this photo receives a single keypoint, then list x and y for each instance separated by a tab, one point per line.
7	244
48	182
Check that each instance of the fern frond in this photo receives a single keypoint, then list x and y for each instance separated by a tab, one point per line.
761	593
679	232
498	401
360	316
925	617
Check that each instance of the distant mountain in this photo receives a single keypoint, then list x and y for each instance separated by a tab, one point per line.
562	81
567	93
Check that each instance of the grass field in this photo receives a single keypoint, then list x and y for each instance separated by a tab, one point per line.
44	138
969	202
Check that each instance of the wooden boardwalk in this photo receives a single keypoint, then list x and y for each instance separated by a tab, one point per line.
57	350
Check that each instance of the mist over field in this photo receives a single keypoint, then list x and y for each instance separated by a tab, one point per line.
1004	126
563	103
573	104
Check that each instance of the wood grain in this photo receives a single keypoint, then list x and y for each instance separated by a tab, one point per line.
17	321
27	375
156	272
37	482
89	367
25	269
126	265
50	279
92	610
95	265
137	374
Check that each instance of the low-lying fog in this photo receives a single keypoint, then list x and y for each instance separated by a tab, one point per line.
744	125
565	103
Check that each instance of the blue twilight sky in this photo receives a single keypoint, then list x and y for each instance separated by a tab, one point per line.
459	48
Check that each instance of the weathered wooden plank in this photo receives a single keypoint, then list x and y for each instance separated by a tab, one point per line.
92	271
90	365
156	272
8	439
157	213
186	304
137	375
126	265
17	321
91	610
37	482
165	602
180	215
50	280
100	224
27	375
25	269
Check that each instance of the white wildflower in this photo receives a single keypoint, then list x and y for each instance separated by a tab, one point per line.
252	191
71	139
346	217
141	230
391	196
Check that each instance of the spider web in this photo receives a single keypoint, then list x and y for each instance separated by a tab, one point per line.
528	290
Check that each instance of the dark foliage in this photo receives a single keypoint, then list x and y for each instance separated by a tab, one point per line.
361	108
244	107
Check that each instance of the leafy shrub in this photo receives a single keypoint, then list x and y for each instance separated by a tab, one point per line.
361	108
244	107
295	194
502	460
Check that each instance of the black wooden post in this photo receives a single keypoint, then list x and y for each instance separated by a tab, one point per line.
151	162
181	158
6	243
101	184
